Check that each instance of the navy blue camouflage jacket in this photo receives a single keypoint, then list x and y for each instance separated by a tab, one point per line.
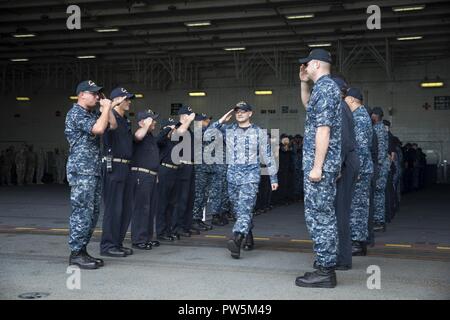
84	147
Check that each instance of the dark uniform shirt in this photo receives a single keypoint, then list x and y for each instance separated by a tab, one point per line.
374	153
349	157
191	158
146	153
84	147
391	143
119	140
165	146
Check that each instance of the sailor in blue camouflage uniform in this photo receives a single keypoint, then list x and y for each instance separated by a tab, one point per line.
204	174
220	204
83	127
383	169
245	144
321	164
359	212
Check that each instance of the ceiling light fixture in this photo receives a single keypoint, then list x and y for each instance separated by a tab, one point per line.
409	38
432	84
234	49
197	94
86	57
197	23
300	16
107	29
408	8
19	59
318	45
24	35
263	92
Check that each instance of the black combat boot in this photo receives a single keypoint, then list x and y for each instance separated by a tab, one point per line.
98	261
77	258
249	243
234	245
359	248
321	278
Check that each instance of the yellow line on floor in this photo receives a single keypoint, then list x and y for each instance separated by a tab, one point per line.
304	241
213	236
58	229
443	248
264	239
24	228
398	245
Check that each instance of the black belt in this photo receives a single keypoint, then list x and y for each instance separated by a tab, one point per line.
118	160
144	170
171	166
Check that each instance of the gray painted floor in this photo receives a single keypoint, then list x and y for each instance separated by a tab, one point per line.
200	267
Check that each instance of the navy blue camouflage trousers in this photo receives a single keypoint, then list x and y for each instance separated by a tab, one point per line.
320	216
359	211
243	199
379	195
203	180
219	191
85	197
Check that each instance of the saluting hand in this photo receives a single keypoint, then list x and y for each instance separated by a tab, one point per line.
191	117
148	121
118	101
105	103
227	116
303	75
